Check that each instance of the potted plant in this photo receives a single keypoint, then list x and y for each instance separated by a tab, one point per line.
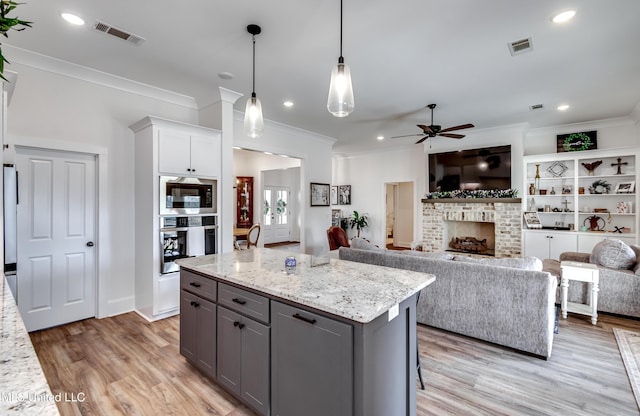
6	24
358	221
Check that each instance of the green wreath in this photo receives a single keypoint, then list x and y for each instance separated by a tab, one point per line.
577	142
600	187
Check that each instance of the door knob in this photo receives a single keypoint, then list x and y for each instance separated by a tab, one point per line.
90	244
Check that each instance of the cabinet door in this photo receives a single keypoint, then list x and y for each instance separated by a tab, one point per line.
188	322
561	242
167	296
536	244
174	152
205	156
206	337
255	365
229	349
312	364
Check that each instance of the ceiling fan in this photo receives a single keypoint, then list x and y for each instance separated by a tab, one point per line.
434	130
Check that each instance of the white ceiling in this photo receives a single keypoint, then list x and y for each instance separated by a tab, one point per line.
403	55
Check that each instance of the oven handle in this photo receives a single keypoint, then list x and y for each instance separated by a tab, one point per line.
169	230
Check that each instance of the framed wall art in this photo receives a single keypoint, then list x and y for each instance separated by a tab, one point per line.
320	194
574	142
625	187
334	195
344	194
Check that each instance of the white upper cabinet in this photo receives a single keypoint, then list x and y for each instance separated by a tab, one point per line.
185	153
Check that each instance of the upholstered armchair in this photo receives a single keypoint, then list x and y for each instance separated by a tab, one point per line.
337	238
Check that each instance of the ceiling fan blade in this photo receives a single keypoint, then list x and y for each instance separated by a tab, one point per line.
406	135
426	129
423	139
460	127
451	135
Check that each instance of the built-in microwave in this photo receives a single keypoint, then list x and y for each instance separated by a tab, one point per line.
182	195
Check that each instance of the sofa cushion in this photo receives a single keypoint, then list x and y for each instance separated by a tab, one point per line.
364	244
437	255
527	263
613	253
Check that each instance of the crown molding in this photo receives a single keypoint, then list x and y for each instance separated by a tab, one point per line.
71	70
569	128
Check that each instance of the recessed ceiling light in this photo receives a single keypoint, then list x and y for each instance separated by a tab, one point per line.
564	16
72	18
288	104
380	137
563	107
225	75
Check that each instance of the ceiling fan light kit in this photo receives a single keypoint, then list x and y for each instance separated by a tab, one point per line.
340	102
253	121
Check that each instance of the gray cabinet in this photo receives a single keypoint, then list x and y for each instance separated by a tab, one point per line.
311	363
198	332
243	358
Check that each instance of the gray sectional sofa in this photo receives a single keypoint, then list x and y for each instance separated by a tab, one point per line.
503	305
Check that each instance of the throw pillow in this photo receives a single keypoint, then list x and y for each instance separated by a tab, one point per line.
613	253
636	267
363	244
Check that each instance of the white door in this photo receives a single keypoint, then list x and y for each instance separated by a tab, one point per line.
56	270
275	214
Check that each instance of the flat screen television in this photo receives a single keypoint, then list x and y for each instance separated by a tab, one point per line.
474	169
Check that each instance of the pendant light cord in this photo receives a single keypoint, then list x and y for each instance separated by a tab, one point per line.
341	29
253	92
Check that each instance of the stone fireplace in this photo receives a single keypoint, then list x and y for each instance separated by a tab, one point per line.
497	221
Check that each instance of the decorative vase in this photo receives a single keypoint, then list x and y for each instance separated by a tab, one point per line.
532	189
537	178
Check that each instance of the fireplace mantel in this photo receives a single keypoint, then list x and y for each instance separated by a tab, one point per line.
472	200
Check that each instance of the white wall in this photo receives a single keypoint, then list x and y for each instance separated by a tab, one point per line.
47	106
368	174
314	152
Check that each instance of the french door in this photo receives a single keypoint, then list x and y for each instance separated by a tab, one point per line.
276	214
56	214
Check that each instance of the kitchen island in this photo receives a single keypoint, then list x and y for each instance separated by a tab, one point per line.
327	336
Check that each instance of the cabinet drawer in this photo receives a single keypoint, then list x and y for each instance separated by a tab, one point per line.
198	285
247	303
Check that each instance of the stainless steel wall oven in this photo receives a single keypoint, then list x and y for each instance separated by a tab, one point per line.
186	236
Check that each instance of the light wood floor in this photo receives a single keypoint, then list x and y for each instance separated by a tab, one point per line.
126	365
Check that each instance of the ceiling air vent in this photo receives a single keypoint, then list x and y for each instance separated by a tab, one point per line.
118	33
536	107
520	46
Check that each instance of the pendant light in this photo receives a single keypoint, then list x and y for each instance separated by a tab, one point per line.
340	102
253	122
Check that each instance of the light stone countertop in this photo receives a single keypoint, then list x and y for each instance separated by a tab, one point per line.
355	291
23	386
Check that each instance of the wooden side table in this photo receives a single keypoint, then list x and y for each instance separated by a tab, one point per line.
581	272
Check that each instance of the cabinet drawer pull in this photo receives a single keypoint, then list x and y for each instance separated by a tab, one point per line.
195	304
302	318
239	301
238	324
195	284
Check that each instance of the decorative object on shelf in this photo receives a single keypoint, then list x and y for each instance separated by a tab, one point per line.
566	189
566	205
625	187
623	207
532	204
344	194
600	187
532	220
547	208
591	167
532	189
358	221
6	24
253	121
537	177
340	102
543	191
463	194
621	229
573	142
320	194
557	169
581	190
553	191
619	165
595	223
